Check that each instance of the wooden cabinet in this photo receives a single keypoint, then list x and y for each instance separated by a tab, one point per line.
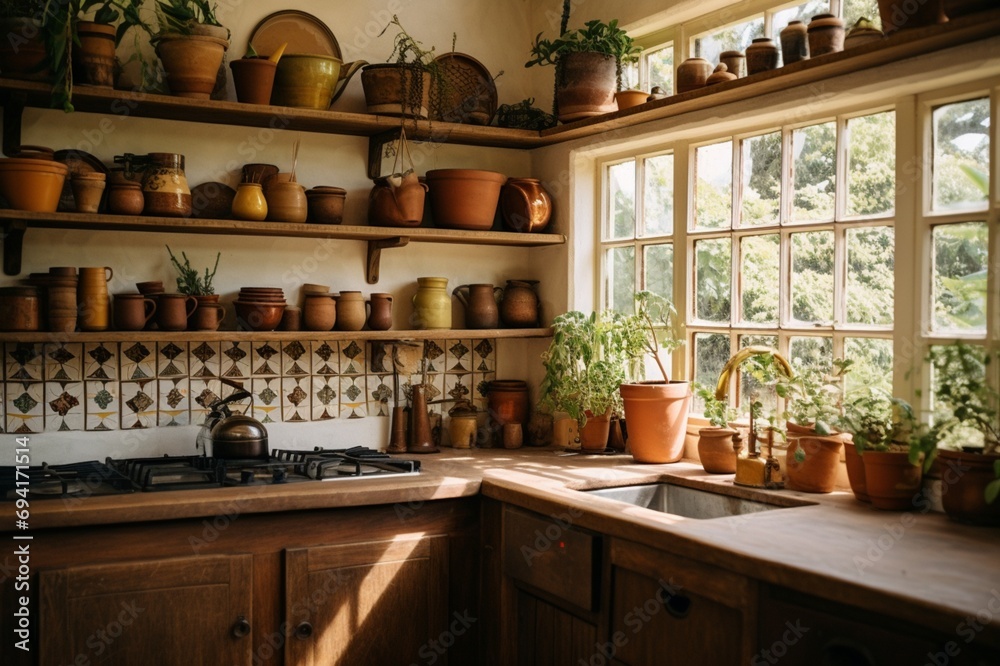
195	610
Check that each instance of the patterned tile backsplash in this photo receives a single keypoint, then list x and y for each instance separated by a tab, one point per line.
50	387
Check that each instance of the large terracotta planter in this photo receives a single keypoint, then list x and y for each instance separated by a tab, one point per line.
95	57
856	472
905	14
715	449
595	432
192	63
396	90
22	51
964	478
891	480
586	86
656	414
817	471
464	198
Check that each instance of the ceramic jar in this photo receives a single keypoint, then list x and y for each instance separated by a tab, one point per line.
132	311
826	35
250	203
480	301
380	316
507	401
525	205
794	43
20	309
92	297
319	312
165	187
762	56
720	75
735	62
126	198
286	202
463	429
519	306
351	311
464	198
431	304
692	74
174	310
62	306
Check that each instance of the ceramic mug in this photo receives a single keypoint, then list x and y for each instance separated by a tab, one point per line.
174	310
96	274
133	311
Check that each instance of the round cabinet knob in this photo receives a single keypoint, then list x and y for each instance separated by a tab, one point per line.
241	628
679	605
303	631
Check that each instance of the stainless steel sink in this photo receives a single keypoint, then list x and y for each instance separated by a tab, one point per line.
687	502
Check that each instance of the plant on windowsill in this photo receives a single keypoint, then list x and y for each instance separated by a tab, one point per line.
715	441
191	44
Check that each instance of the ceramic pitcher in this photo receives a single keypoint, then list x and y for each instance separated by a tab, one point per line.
480	301
380	316
431	304
92	296
519	307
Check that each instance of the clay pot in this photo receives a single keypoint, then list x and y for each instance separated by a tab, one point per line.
736	62
150	287
397	201
32	184
258	315
856	472
62	308
87	192
20	309
525	205
595	432
720	75
464	198
480	302
95	56
191	62
794	42
326	205
891	481
165	188
715	449
174	310
380	317
431	304
519	305
656	414
351	311
826	35
585	86
762	56
692	74
817	471
92	298
253	79
385	86
311	81
626	99
319	312
286	202
507	402
291	319
208	315
126	198
132	311
250	203
906	14
965	477
23	53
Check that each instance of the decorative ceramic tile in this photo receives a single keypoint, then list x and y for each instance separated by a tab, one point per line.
459	387
353	401
201	394
101	406
235	359
174	402
325	391
265	359
379	357
352	357
172	360
484	355
64	406
435	355
458	356
379	394
23	362
137	361
325	358
435	391
295	402
205	360
25	407
295	360
64	362
138	404
100	361
266	399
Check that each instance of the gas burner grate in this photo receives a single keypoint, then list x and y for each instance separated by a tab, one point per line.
358	461
70	480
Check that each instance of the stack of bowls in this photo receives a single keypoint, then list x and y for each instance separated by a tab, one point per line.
32	181
59	302
259	308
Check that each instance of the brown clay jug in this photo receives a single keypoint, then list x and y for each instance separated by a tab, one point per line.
174	310
480	302
132	311
208	315
519	306
380	316
92	298
351	313
397	201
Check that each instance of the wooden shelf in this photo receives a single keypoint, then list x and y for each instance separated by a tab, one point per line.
277	336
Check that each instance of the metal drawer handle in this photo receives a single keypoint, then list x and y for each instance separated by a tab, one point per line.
303	631
242	627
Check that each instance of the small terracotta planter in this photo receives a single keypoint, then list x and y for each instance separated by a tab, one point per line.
253	79
88	189
595	432
464	198
817	471
626	99
585	86
95	56
656	413
192	63
715	449
892	481
965	477
856	472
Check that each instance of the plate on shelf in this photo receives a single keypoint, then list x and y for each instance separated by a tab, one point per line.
468	94
212	201
78	162
304	33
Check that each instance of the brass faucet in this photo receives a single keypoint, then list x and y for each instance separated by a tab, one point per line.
752	471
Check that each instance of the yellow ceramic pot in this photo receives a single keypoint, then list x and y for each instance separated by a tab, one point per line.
431	304
311	81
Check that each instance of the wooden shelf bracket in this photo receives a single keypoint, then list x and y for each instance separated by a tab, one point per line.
375	248
376	150
13	242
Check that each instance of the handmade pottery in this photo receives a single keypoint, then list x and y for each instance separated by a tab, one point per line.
735	62
380	317
311	81
464	198
656	414
892	482
762	56
816	471
92	298
326	205
253	79
286	202
431	304
397	201
319	312
258	315
20	309
863	32
250	203
351	311
386	84
715	450
165	187
692	74
595	432
32	184
480	302
208	315
519	305
525	205
126	198
95	56
794	42
720	75
191	62
826	35
132	311
87	191
856	472
174	310
586	86
626	99
507	402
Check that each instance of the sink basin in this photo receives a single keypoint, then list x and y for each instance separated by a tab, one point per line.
687	502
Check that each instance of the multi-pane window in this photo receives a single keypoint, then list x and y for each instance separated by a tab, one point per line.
658	68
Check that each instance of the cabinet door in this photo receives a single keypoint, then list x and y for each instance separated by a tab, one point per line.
192	610
381	602
549	636
670	610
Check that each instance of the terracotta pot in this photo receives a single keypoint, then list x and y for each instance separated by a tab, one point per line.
311	81
657	415
817	471
692	74
892	482
794	42
626	99
507	402
326	206
525	205
286	202
250	203
291	319
906	14
208	315
396	90
253	79
397	202
595	432
23	53
32	184
585	86
20	309
319	312
351	311
174	310
87	193
191	62
856	472
964	480
715	449
380	317
736	61
519	305
826	35
258	316
132	311
762	56
94	58
431	304
480	302
464	198
126	199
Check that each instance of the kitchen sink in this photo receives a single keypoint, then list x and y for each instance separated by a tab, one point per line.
687	502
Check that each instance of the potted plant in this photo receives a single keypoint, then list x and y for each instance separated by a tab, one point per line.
966	433
589	64
715	441
23	51
402	85
191	44
584	367
209	313
655	411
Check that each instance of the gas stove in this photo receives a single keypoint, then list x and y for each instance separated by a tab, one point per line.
116	477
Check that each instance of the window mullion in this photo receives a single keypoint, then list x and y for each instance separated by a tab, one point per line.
683	263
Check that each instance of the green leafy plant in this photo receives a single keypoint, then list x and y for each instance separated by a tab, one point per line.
189	281
410	53
718	412
878	421
656	317
595	37
815	398
177	16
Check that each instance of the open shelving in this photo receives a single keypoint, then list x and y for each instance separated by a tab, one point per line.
273	336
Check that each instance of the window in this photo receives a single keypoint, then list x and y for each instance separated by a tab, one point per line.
657	65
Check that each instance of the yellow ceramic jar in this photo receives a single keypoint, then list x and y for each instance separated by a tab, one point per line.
431	304
249	203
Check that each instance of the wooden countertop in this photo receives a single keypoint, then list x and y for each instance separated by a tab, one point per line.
919	567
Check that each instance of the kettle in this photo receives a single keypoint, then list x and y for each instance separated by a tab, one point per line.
233	436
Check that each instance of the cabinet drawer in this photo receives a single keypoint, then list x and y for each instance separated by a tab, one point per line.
547	553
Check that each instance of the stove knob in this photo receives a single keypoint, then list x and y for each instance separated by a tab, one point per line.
280	475
246	477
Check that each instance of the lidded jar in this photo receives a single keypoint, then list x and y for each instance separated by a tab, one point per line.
762	56
692	74
794	44
826	35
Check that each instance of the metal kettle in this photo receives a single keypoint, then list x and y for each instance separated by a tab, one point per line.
233	436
